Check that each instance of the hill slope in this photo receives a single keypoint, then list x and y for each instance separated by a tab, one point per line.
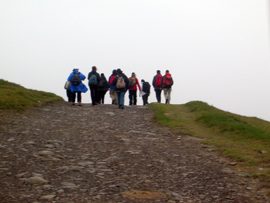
16	97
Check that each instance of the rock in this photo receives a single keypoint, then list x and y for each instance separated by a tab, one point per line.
21	174
67	185
110	113
47	197
36	180
263	152
30	143
45	153
11	139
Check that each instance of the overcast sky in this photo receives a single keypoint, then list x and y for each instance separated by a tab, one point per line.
217	51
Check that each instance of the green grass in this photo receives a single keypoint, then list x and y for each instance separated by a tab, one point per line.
18	98
239	138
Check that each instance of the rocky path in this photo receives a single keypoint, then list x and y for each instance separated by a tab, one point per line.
63	153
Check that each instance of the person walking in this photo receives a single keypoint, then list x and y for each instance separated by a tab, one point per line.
76	85
157	80
145	91
113	93
102	88
68	91
133	83
93	81
167	83
121	83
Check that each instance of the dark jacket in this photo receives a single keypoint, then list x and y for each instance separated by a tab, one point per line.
146	87
126	81
94	73
103	84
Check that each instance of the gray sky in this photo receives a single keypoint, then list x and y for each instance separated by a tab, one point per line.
217	51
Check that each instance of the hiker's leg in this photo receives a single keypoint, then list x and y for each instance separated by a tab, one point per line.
166	92
122	97
135	97
158	94
92	94
69	95
169	95
144	99
118	98
79	97
96	94
102	96
146	96
130	97
73	97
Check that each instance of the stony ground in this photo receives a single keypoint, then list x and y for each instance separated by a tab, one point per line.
64	153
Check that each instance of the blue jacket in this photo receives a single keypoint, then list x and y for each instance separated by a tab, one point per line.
81	87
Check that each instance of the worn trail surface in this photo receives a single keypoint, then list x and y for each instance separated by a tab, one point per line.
63	153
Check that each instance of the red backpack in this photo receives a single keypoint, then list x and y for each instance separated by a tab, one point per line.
167	81
111	79
158	80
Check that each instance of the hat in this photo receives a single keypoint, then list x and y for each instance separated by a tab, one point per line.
118	70
142	80
167	71
158	71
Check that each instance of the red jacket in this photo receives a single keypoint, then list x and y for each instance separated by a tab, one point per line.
135	86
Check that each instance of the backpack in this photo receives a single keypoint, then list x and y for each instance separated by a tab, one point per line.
101	82
132	82
146	87
76	80
111	79
158	81
120	82
167	82
93	80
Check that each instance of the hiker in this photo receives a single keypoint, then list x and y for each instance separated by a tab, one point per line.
113	93
120	82
93	81
102	88
133	83
76	85
167	83
145	91
157	80
68	91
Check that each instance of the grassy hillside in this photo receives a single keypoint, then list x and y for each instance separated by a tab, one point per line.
245	140
16	97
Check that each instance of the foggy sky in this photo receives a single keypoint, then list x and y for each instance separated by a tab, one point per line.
217	51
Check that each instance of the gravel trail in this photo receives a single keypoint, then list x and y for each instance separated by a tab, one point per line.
68	154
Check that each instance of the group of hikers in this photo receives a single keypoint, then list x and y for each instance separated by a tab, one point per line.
117	84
